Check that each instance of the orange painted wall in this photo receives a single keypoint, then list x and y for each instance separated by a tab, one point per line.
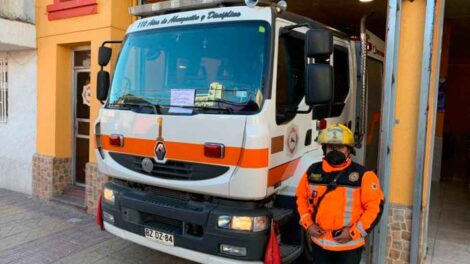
434	119
111	13
46	105
55	41
407	100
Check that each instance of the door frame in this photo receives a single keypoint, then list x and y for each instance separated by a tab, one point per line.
75	71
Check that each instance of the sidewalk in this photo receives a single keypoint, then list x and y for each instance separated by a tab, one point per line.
32	231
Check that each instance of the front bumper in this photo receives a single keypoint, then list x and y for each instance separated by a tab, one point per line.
175	251
193	223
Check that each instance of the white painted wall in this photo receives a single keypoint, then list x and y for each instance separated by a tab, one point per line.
22	10
17	30
18	135
15	35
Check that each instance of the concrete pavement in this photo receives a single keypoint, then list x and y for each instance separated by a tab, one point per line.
32	231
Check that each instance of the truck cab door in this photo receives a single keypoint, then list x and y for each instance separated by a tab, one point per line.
292	133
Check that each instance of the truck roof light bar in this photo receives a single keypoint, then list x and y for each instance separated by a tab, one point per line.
165	7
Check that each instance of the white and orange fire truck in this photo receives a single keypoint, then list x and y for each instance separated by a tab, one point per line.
211	118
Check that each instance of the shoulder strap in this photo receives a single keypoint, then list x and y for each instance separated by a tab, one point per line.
314	168
330	187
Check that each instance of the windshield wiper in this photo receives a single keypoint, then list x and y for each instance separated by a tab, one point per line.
247	106
141	105
206	108
137	107
198	107
135	103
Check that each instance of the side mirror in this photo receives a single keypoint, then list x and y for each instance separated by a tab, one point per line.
319	84
102	85
318	42
104	55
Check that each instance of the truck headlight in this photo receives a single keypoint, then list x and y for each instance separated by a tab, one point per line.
243	223
108	195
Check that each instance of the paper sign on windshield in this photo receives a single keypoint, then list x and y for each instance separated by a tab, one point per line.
182	97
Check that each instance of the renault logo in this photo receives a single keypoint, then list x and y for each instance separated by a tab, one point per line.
160	151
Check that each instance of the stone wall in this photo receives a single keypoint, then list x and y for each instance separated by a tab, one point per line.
50	175
399	234
94	186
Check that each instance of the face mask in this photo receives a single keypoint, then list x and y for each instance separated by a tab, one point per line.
335	157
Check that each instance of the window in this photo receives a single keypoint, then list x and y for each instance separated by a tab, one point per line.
223	63
341	67
290	76
3	90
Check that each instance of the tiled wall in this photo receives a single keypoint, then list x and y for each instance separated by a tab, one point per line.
95	182
50	175
399	234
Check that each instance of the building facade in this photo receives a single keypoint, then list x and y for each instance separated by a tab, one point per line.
17	94
69	34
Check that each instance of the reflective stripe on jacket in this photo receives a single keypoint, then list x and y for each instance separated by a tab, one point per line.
356	201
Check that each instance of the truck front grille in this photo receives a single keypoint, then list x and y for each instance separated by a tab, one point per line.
163	223
174	170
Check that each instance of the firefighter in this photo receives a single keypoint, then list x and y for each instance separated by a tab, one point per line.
339	201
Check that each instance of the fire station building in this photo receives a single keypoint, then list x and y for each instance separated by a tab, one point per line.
423	126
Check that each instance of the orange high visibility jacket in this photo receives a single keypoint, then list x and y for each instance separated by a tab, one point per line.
356	201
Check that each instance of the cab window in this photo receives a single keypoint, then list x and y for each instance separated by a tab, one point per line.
341	68
290	88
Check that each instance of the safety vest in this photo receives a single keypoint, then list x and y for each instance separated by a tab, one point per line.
354	200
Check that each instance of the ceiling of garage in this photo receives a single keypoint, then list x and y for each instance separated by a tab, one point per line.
457	9
458	15
346	15
343	14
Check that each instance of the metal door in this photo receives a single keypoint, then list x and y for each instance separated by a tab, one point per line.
81	114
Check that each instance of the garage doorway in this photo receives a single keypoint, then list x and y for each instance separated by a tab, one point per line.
449	215
346	16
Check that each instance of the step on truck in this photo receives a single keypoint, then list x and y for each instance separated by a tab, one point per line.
210	120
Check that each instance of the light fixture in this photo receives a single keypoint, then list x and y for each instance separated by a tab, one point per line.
116	140
366	1
108	196
281	6
232	250
251	3
243	223
108	217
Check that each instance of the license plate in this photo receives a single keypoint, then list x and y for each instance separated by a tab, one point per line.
160	237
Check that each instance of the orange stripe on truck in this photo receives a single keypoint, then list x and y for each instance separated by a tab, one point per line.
282	172
246	158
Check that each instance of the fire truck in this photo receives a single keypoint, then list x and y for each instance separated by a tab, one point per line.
210	121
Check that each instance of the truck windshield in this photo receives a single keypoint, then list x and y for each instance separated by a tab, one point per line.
217	68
